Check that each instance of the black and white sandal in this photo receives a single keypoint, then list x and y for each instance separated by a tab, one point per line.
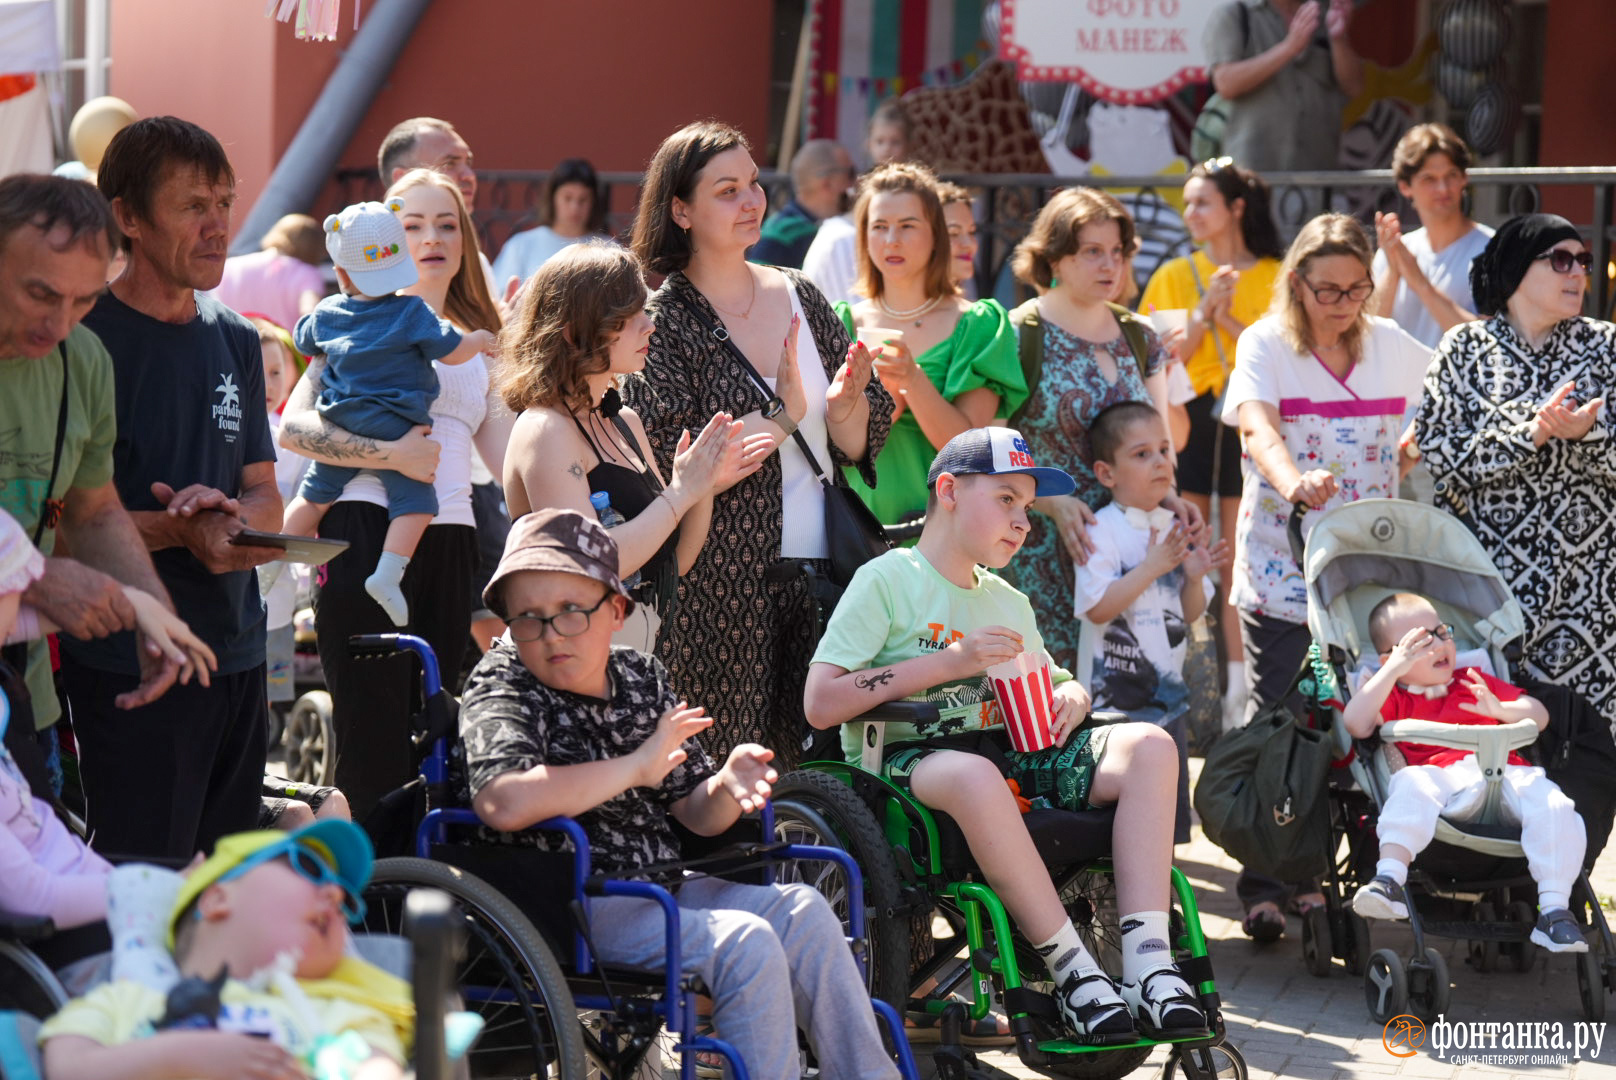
1164	1009
1105	1018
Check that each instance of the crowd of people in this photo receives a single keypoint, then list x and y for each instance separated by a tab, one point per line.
668	455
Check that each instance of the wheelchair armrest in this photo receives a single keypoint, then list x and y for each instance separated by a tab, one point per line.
896	712
25	927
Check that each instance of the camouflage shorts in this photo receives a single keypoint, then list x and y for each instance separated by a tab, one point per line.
1059	777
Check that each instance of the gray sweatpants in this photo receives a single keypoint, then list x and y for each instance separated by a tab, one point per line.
775	960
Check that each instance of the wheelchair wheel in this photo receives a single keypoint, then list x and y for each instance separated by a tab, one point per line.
310	741
816	808
507	974
1591	985
27	985
1221	1061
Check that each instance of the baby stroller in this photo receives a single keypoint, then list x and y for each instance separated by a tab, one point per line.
1471	883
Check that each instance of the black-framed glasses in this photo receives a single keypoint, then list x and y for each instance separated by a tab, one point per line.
1561	260
1331	294
1442	631
569	623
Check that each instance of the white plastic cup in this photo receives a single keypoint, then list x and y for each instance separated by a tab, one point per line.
1170	319
876	336
1026	696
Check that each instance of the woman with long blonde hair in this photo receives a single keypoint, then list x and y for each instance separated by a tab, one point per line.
372	699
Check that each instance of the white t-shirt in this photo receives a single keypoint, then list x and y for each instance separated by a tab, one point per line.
1447	270
464	401
525	252
1139	655
802	534
1349	426
832	260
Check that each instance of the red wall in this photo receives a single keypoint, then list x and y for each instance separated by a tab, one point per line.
1579	126
527	82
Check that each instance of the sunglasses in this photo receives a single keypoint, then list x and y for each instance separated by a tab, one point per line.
308	864
1561	261
1213	166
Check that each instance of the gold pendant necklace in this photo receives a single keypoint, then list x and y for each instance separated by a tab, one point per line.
747	314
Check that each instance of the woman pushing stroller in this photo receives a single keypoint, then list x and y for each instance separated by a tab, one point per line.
1417	680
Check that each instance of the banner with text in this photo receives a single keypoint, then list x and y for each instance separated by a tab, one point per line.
1126	51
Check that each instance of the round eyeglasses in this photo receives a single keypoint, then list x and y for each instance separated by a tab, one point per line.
569	623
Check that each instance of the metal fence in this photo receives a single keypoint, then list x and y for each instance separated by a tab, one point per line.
508	201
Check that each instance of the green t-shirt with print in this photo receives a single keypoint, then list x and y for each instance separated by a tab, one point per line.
30	401
898	607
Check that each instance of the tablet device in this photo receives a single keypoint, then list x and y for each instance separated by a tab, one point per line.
314	550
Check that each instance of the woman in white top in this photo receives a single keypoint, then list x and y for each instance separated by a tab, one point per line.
1319	390
372	699
571	209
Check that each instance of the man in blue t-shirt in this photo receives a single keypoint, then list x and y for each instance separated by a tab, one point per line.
194	464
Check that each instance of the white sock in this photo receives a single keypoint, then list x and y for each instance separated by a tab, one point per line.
384	587
1145	945
1065	955
1549	899
1394	869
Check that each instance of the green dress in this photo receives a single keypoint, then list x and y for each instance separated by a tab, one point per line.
980	352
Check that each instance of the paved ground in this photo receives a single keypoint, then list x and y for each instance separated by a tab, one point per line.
1291	1024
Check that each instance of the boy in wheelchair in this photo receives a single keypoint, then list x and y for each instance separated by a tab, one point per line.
1417	681
926	623
257	931
558	722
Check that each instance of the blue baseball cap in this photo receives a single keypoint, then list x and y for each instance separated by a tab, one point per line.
996	451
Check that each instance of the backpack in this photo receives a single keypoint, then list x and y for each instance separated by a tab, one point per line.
1030	344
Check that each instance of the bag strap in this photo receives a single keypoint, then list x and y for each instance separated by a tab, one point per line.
1133	331
721	335
50	512
1030	348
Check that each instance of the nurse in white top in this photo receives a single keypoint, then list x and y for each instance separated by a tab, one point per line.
372	700
1319	391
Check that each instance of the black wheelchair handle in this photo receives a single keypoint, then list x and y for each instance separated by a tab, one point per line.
902	712
1293	533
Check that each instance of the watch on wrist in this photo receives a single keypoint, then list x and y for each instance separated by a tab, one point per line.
774	408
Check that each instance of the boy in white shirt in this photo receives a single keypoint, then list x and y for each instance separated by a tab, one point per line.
1146	582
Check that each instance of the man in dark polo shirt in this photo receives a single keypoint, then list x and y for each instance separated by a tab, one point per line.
194	465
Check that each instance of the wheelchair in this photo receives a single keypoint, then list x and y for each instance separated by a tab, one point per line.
916	865
424	952
551	1009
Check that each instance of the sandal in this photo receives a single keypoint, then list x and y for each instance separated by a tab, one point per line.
1264	922
926	1028
1302	904
709	1063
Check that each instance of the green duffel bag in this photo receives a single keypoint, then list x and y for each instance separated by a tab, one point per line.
1264	798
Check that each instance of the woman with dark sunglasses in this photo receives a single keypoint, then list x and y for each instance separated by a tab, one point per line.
1517	435
1319	391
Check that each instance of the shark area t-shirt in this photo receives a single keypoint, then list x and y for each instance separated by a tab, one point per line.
190	400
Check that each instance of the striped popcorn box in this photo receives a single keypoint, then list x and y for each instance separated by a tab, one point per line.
1026	699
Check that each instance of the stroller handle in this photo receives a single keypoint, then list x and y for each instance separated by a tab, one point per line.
1293	533
1515	735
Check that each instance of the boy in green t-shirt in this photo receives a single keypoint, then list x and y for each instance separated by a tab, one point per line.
925	623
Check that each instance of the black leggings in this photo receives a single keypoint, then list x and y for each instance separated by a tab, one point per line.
372	700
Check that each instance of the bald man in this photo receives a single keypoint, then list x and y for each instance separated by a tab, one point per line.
821	174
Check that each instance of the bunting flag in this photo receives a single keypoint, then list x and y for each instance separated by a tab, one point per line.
865	51
316	19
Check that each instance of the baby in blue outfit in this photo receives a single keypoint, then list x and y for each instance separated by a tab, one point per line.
378	381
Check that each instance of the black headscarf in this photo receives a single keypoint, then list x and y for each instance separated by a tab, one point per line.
1496	273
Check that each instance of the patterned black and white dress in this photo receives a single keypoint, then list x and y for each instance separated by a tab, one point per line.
1547	515
739	643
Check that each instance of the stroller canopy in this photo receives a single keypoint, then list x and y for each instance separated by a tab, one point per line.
1393	545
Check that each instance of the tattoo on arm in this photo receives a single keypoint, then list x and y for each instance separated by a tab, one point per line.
866	681
322	440
576	470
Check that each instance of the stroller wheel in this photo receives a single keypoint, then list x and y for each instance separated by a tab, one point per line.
1521	953
1483	954
1317	944
1357	951
1385	986
1591	985
1428	988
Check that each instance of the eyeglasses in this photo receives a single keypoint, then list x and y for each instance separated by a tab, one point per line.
309	865
1442	631
1561	260
568	623
1330	294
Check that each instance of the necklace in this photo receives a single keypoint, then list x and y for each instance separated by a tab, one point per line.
918	314
747	314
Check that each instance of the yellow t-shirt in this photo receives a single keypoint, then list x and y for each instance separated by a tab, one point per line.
356	997
1172	286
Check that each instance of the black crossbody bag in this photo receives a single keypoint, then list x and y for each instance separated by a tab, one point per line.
853	535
